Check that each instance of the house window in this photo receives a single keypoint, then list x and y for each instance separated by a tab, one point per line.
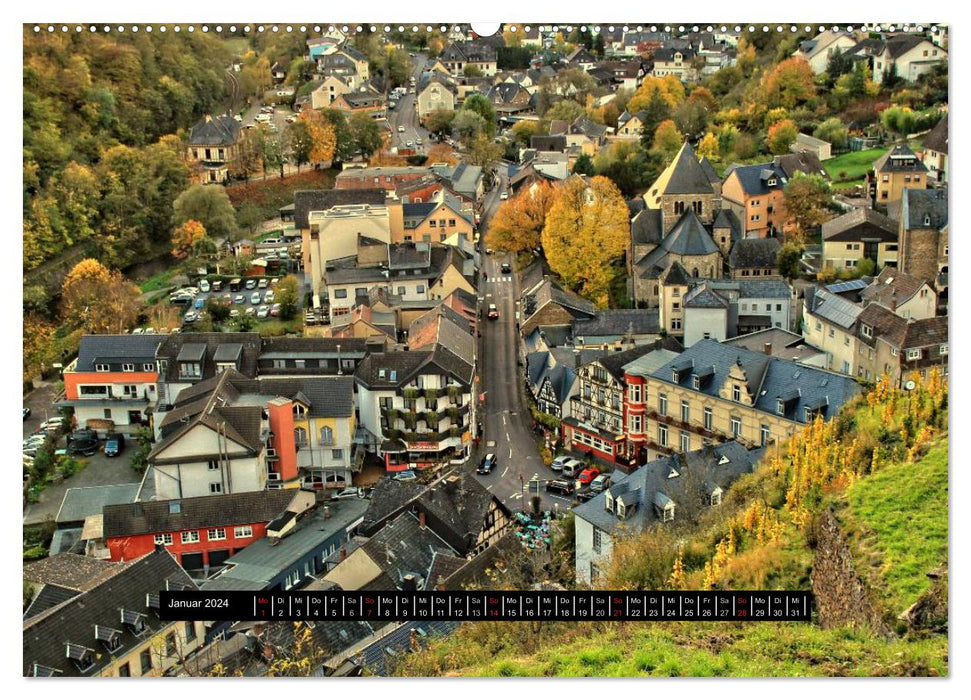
685	411
420	289
340	294
662	404
101	368
215	487
170	648
164	539
216	533
765	435
148	368
736	393
867	332
668	513
190	536
736	426
190	370
451	222
685	441
243	531
676	324
326	435
190	631
212	465
662	435
145	661
913	354
432	223
832	333
337	454
893	351
300	436
716	497
943	349
708	418
127	367
597	539
635	393
635	424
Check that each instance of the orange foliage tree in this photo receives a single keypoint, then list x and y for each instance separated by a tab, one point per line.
186	238
518	223
789	84
97	300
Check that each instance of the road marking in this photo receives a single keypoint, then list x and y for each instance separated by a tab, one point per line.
508	440
504	471
517	494
510	453
504	422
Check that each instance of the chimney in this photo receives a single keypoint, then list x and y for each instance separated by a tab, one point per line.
326	512
421	520
893	301
208	118
767	347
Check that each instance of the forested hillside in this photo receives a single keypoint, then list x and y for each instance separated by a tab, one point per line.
103	118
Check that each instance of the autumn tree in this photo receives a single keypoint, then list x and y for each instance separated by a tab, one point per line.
833	132
323	137
187	238
709	147
565	110
210	206
667	140
165	315
670	88
655	112
781	135
98	300
518	223
365	134
439	122
806	203
789	84
443	153
522	132
288	297
468	126
586	230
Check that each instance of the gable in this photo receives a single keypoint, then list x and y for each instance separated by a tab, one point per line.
199	440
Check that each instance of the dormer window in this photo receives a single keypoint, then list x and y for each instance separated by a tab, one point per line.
736	393
927	219
696	382
810	414
111	638
82	657
866	330
609	503
40	671
771	182
299	411
102	368
621	510
716	496
134	620
780	407
668	514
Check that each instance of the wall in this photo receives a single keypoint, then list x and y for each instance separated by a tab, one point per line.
583	537
698	321
160	662
193	479
134	546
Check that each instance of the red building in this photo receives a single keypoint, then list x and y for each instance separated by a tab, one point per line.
198	532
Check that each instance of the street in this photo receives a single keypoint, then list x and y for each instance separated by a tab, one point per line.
406	115
505	415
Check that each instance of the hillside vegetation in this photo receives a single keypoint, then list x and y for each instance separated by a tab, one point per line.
881	465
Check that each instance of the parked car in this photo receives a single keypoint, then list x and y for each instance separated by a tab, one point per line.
250	311
564	461
561	486
268	297
114	444
263	283
584	495
600	483
263	311
239	299
191	317
199	303
26	413
251	284
54	422
504	196
407	475
573	469
353	492
487	464
493	311
401	129
234	313
217	286
254	298
275	310
588	475
204	286
82	442
506	268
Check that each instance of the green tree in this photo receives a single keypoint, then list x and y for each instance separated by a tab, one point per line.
522	132
832	131
471	71
344	149
365	134
565	110
468	126
584	165
288	297
480	104
781	136
788	259
656	111
301	142
439	122
210	206
217	309
586	231
807	199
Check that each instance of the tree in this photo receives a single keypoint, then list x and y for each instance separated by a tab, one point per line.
899	120
484	153
165	315
586	230
468	126
97	300
323	137
210	206
288	297
344	147
833	132
789	84
471	71
709	147
439	122
518	222
442	153
186	238
856	83
522	132
669	88
584	165
691	116
807	199
781	135
217	309
667	140
656	111
365	134
480	104
301	142
788	259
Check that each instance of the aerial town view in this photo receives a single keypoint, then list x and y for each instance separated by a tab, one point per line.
340	308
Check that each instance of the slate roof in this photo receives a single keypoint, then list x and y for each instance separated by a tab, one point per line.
899	159
474	51
402	365
171	346
306	201
381	657
547	143
936	138
886	325
786	345
45	637
608	322
645	227
726	219
710	171
115	350
50	595
388	497
80	502
802	162
899	44
892	283
754	178
768	378
403	547
285	346
703	297
689	237
918	205
699	472
476	570
684	175
858	224
549	292
754	252
199	513
832	308
214	131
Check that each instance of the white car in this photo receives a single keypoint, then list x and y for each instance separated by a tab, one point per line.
254	298
504	196
564	461
401	129
263	311
353	492
268	297
204	286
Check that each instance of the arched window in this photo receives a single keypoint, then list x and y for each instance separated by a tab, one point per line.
298	411
694	272
300	436
326	435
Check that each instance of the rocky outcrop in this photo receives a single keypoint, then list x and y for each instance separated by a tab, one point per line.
929	613
842	598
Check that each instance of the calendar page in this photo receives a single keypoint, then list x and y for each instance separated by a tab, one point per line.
447	349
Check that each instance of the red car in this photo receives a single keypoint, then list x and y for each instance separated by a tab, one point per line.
588	475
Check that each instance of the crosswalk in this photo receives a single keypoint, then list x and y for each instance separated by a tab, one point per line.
507	278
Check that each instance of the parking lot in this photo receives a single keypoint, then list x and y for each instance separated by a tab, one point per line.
250	299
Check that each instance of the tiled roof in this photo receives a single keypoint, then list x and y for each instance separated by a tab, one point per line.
899	159
68	570
617	322
785	345
46	636
802	162
646	227
754	179
115	350
403	547
197	513
80	502
892	283
306	201
754	252
768	379
171	346
858	224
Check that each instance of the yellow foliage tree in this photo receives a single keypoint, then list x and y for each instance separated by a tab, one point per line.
669	87
186	238
97	300
322	134
586	231
708	148
667	140
518	223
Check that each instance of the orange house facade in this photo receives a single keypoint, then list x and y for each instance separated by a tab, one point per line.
755	194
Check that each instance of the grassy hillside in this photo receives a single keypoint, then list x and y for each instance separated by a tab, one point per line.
881	465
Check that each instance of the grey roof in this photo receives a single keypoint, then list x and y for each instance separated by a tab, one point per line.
645	364
171	346
609	322
802	162
899	159
547	143
403	547
768	378
754	252
899	44
754	179
391	369
81	502
645	227
382	656
549	292
924	209
50	595
46	636
936	138
858	224
115	350
831	307
687	175
463	178
257	565
676	276
726	219
890	285
306	201
703	297
197	513
709	171
214	131
69	570
474	51
784	344
689	237
389	496
699	473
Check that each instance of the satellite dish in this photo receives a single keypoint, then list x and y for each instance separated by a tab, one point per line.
909	386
